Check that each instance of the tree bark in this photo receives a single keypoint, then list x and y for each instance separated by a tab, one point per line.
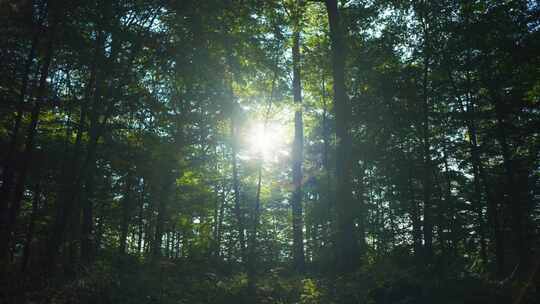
252	249
426	180
480	175
297	155
236	189
347	247
252	261
426	143
31	228
415	218
222	202
8	170
18	191
450	203
82	173
514	202
160	221
87	225
328	222
126	211
141	220
8	166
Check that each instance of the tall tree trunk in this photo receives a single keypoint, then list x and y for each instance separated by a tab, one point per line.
482	183
347	247
415	218
177	244
8	166
99	211
252	261
362	215
69	201
450	203
158	236
426	182
126	211
222	202
236	189
31	228
8	170
86	202
252	248
160	221
81	173
297	155
14	207
441	211
99	116
426	144
141	220
477	197
215	228
87	225
480	175
238	212
328	222
514	202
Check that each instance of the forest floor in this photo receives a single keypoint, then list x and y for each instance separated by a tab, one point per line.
129	280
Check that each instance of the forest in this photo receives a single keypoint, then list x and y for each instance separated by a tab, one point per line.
270	151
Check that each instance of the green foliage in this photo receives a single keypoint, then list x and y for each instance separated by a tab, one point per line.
129	173
311	293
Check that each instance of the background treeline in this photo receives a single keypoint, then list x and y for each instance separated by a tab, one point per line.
127	174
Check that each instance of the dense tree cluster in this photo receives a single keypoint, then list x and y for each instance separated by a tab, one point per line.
269	151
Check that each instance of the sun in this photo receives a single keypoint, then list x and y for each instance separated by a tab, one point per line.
267	141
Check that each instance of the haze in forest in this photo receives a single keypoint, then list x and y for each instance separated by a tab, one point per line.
270	151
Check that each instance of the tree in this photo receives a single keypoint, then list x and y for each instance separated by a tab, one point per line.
347	247
298	143
147	145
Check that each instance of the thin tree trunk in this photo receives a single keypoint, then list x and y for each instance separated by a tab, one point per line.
426	178
514	202
158	236
415	218
478	197
31	228
441	210
359	198
141	221
13	210
326	164
72	195
126	210
297	155
252	262
98	122
223	203
8	170
160	221
87	224
236	188
252	252
87	208
426	145
478	174
80	174
481	177
451	206
215	229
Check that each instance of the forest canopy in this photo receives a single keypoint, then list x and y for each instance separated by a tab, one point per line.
270	151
